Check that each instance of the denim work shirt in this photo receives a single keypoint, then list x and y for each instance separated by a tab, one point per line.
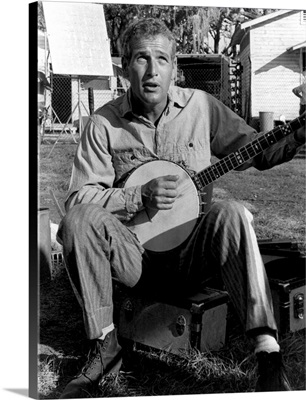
194	124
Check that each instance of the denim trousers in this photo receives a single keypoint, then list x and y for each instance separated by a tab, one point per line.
97	247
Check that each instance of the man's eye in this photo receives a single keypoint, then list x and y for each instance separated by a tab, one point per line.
163	59
141	59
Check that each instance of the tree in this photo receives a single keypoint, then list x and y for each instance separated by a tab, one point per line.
118	17
40	17
192	26
218	22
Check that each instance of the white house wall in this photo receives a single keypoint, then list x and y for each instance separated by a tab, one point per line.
77	38
275	71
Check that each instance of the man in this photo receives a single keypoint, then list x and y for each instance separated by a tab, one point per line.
156	121
300	92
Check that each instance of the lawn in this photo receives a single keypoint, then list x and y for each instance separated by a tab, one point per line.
277	200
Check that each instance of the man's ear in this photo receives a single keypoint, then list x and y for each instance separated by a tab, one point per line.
174	70
125	65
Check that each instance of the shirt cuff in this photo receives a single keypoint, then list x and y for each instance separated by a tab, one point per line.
292	141
133	200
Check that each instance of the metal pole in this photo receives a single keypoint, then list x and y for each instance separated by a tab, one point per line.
79	102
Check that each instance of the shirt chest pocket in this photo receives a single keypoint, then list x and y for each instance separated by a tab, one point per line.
125	161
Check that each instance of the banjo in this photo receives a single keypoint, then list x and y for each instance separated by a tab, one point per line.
163	230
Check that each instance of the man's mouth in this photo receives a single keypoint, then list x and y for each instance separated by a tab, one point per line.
150	85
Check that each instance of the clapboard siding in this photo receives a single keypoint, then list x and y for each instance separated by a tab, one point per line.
273	70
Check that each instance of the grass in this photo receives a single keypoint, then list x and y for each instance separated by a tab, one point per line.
277	200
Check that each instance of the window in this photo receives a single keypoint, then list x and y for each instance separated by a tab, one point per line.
303	17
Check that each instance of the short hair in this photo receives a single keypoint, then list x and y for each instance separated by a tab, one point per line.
145	28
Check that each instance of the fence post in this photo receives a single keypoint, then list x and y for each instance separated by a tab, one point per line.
91	102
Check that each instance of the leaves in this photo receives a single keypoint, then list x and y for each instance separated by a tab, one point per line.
191	25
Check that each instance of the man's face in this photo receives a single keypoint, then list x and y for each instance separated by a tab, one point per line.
150	70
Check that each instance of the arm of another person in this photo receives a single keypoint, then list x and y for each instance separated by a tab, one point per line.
93	176
298	91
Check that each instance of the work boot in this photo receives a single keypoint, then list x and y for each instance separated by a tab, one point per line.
272	374
105	358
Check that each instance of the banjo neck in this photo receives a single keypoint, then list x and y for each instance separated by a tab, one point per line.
245	153
167	229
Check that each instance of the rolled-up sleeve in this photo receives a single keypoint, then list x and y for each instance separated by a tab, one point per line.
93	175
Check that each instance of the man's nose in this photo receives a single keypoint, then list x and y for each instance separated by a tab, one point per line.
152	69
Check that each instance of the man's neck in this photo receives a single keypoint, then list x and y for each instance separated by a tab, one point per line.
152	113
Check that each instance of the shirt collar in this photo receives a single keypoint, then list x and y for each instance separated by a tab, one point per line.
178	97
175	95
126	105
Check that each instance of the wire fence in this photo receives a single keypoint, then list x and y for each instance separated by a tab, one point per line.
214	76
66	106
70	100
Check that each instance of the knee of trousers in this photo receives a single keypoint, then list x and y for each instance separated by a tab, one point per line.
231	211
82	217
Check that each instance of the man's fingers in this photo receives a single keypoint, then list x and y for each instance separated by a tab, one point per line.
170	181
160	193
167	200
171	177
165	193
170	193
165	205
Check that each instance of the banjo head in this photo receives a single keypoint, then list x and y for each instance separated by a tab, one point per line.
163	230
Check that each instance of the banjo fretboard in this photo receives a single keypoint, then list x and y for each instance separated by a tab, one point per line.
245	153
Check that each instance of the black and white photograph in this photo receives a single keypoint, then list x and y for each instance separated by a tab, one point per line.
171	248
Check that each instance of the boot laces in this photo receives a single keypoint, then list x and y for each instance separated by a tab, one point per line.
93	359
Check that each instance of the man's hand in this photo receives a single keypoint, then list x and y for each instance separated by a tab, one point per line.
297	92
300	135
160	193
